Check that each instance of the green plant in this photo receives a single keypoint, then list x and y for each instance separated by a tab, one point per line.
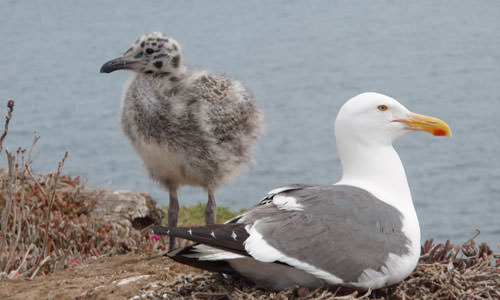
194	215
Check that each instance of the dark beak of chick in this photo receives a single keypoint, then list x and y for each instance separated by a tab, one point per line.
119	63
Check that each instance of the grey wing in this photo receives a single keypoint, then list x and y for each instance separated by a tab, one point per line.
342	230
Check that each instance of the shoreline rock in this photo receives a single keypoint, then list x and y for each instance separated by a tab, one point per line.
128	208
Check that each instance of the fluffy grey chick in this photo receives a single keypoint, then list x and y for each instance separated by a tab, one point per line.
188	126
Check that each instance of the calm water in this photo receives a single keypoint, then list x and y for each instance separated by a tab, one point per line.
302	60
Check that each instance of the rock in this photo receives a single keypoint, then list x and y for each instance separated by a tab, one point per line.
127	208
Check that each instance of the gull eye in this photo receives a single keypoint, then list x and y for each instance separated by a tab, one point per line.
382	107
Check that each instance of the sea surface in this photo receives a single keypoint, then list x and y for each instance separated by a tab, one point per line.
302	60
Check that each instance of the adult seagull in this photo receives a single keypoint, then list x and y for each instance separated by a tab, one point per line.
361	232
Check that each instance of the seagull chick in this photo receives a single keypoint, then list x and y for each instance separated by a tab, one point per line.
188	126
361	232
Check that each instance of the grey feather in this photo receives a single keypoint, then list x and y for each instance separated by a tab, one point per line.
188	126
342	230
214	133
368	228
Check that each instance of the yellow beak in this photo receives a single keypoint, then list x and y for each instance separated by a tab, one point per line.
425	123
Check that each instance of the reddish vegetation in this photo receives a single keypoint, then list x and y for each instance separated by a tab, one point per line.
45	220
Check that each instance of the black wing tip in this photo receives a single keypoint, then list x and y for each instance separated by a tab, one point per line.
161	230
229	237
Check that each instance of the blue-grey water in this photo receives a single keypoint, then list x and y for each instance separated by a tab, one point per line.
302	60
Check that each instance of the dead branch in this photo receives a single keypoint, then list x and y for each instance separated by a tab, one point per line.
20	218
10	108
8	201
55	178
36	137
46	259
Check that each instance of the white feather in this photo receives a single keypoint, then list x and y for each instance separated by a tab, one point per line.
286	203
396	268
210	253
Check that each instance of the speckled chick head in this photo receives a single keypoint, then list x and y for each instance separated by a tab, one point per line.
153	53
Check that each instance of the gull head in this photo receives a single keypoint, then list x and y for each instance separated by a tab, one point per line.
153	53
373	119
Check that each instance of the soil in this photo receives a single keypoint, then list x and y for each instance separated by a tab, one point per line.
104	278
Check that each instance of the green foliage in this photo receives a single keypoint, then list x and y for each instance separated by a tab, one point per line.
194	215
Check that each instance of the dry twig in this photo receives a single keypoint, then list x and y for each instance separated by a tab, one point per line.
54	178
10	108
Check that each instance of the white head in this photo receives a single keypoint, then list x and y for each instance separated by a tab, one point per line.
372	119
153	53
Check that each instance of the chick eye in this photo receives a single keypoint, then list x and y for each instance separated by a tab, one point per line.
382	107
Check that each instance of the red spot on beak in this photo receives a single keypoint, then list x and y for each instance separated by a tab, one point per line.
439	132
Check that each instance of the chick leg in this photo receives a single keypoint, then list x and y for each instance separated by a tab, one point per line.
211	209
173	214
